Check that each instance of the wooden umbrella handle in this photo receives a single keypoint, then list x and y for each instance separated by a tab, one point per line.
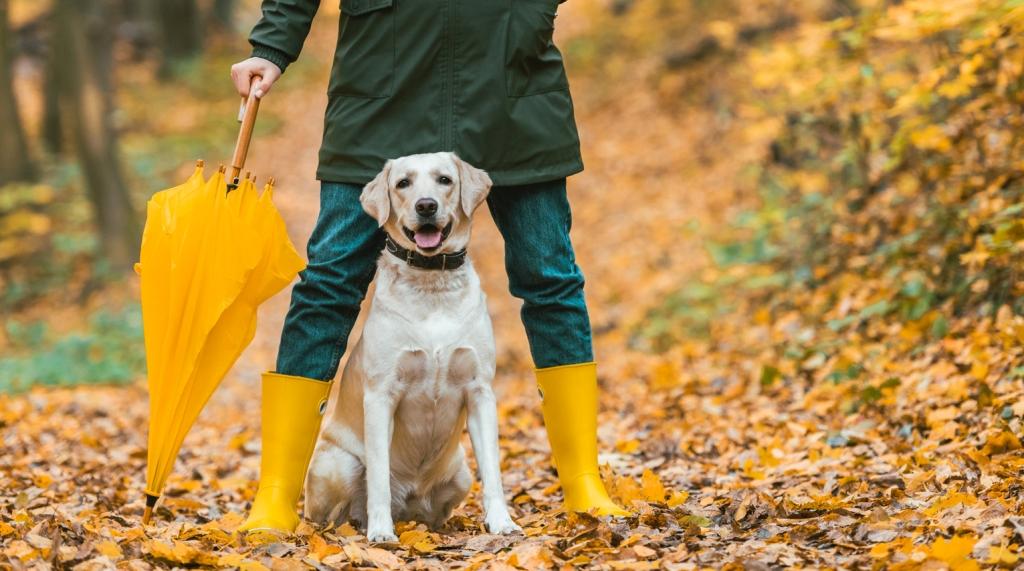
248	117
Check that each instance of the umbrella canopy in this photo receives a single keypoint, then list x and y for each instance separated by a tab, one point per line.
212	252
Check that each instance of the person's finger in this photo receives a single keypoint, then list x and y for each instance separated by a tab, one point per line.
262	86
268	77
242	76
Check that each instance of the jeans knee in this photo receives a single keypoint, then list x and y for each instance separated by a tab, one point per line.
547	286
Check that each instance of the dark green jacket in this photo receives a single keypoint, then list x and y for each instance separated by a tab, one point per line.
482	78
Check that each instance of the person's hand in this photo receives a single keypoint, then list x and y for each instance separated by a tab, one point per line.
243	72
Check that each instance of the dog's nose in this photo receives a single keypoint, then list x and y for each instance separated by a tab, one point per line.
426	207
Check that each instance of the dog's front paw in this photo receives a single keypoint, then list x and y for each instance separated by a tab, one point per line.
502	524
381	535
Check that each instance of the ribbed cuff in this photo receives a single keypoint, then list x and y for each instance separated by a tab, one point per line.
273	55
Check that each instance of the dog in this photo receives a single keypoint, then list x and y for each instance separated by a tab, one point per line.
421	370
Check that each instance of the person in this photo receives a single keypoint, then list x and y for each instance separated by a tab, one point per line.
482	79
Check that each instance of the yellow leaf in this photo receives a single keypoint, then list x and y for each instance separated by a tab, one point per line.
418	540
230	521
999	555
651	487
627	490
750	470
424	546
948	501
320	549
955	552
665	375
530	556
5	529
42	480
724	31
258	537
181	552
346	530
231	560
627	446
240	440
678	498
979	370
408	538
187	504
932	138
880	550
177	553
1001	443
632	540
20	550
109	548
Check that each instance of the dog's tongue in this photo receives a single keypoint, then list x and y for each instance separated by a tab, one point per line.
428	238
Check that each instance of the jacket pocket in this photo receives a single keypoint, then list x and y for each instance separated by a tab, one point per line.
364	61
532	62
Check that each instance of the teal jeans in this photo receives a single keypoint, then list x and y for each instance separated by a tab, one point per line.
534	220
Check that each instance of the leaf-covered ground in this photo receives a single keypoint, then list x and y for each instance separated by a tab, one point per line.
889	445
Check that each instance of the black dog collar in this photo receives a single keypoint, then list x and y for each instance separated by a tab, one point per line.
418	260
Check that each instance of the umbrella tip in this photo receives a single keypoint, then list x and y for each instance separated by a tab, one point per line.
222	169
200	163
270	181
248	175
147	515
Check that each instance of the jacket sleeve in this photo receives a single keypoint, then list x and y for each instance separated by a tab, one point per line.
280	33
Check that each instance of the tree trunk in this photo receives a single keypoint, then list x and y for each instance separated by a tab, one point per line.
15	162
180	31
222	15
84	73
52	129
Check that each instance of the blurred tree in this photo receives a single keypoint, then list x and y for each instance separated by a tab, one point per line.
15	162
179	31
52	129
222	15
85	85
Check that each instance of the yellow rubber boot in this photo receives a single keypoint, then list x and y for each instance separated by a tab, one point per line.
569	396
292	409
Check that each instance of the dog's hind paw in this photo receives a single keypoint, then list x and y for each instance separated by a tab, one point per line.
502	525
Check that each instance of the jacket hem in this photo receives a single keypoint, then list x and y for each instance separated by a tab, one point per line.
499	176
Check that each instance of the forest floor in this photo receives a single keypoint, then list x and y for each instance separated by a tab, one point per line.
720	468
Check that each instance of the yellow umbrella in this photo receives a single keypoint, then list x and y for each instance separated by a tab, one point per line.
212	252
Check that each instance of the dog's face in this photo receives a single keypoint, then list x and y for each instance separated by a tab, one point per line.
425	202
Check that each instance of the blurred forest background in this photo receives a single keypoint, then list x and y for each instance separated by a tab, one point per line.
801	222
888	182
101	101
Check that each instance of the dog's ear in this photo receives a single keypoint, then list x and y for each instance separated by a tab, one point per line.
474	184
375	198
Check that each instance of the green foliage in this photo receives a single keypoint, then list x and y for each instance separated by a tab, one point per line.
109	351
689	312
46	240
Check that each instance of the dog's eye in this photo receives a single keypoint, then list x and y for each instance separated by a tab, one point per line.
404	183
444	180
